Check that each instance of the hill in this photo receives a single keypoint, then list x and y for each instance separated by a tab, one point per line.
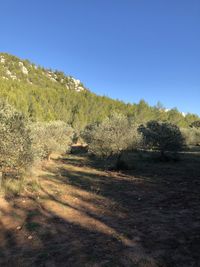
45	95
13	68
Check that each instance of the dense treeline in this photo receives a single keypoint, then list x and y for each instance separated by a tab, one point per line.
80	108
46	95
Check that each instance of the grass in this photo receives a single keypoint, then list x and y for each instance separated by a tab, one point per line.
16	187
13	186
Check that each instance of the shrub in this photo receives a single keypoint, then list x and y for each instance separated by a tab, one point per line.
192	136
111	137
15	142
162	136
55	136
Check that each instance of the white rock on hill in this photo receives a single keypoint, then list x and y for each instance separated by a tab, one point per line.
2	59
23	68
77	84
8	73
68	81
52	79
12	76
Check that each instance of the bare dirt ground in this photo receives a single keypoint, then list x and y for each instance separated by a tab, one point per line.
84	216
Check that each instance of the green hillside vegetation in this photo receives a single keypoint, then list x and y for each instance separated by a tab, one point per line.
46	95
49	110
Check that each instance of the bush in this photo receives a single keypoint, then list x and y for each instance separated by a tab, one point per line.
111	137
55	136
162	136
192	136
15	142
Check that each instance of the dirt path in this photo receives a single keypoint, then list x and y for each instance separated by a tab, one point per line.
82	216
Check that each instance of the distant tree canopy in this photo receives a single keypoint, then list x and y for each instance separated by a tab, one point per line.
79	109
46	95
162	136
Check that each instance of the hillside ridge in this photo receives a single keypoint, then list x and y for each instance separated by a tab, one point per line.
16	69
43	94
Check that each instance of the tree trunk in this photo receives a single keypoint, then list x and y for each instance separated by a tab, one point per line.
119	157
118	162
1	178
163	156
49	157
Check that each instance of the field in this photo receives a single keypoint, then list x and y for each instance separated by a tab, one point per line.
82	215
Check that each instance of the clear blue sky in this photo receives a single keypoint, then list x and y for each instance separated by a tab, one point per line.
125	49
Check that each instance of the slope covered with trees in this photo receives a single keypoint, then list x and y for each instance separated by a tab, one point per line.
46	95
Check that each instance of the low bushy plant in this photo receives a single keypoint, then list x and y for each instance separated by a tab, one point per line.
111	137
15	141
49	137
192	136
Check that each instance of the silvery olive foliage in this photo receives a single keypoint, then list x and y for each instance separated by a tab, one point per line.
112	136
15	141
192	136
49	137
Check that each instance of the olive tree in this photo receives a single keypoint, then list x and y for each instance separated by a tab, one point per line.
111	137
192	136
15	141
162	136
49	137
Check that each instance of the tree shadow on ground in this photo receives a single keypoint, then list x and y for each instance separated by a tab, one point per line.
88	217
161	203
